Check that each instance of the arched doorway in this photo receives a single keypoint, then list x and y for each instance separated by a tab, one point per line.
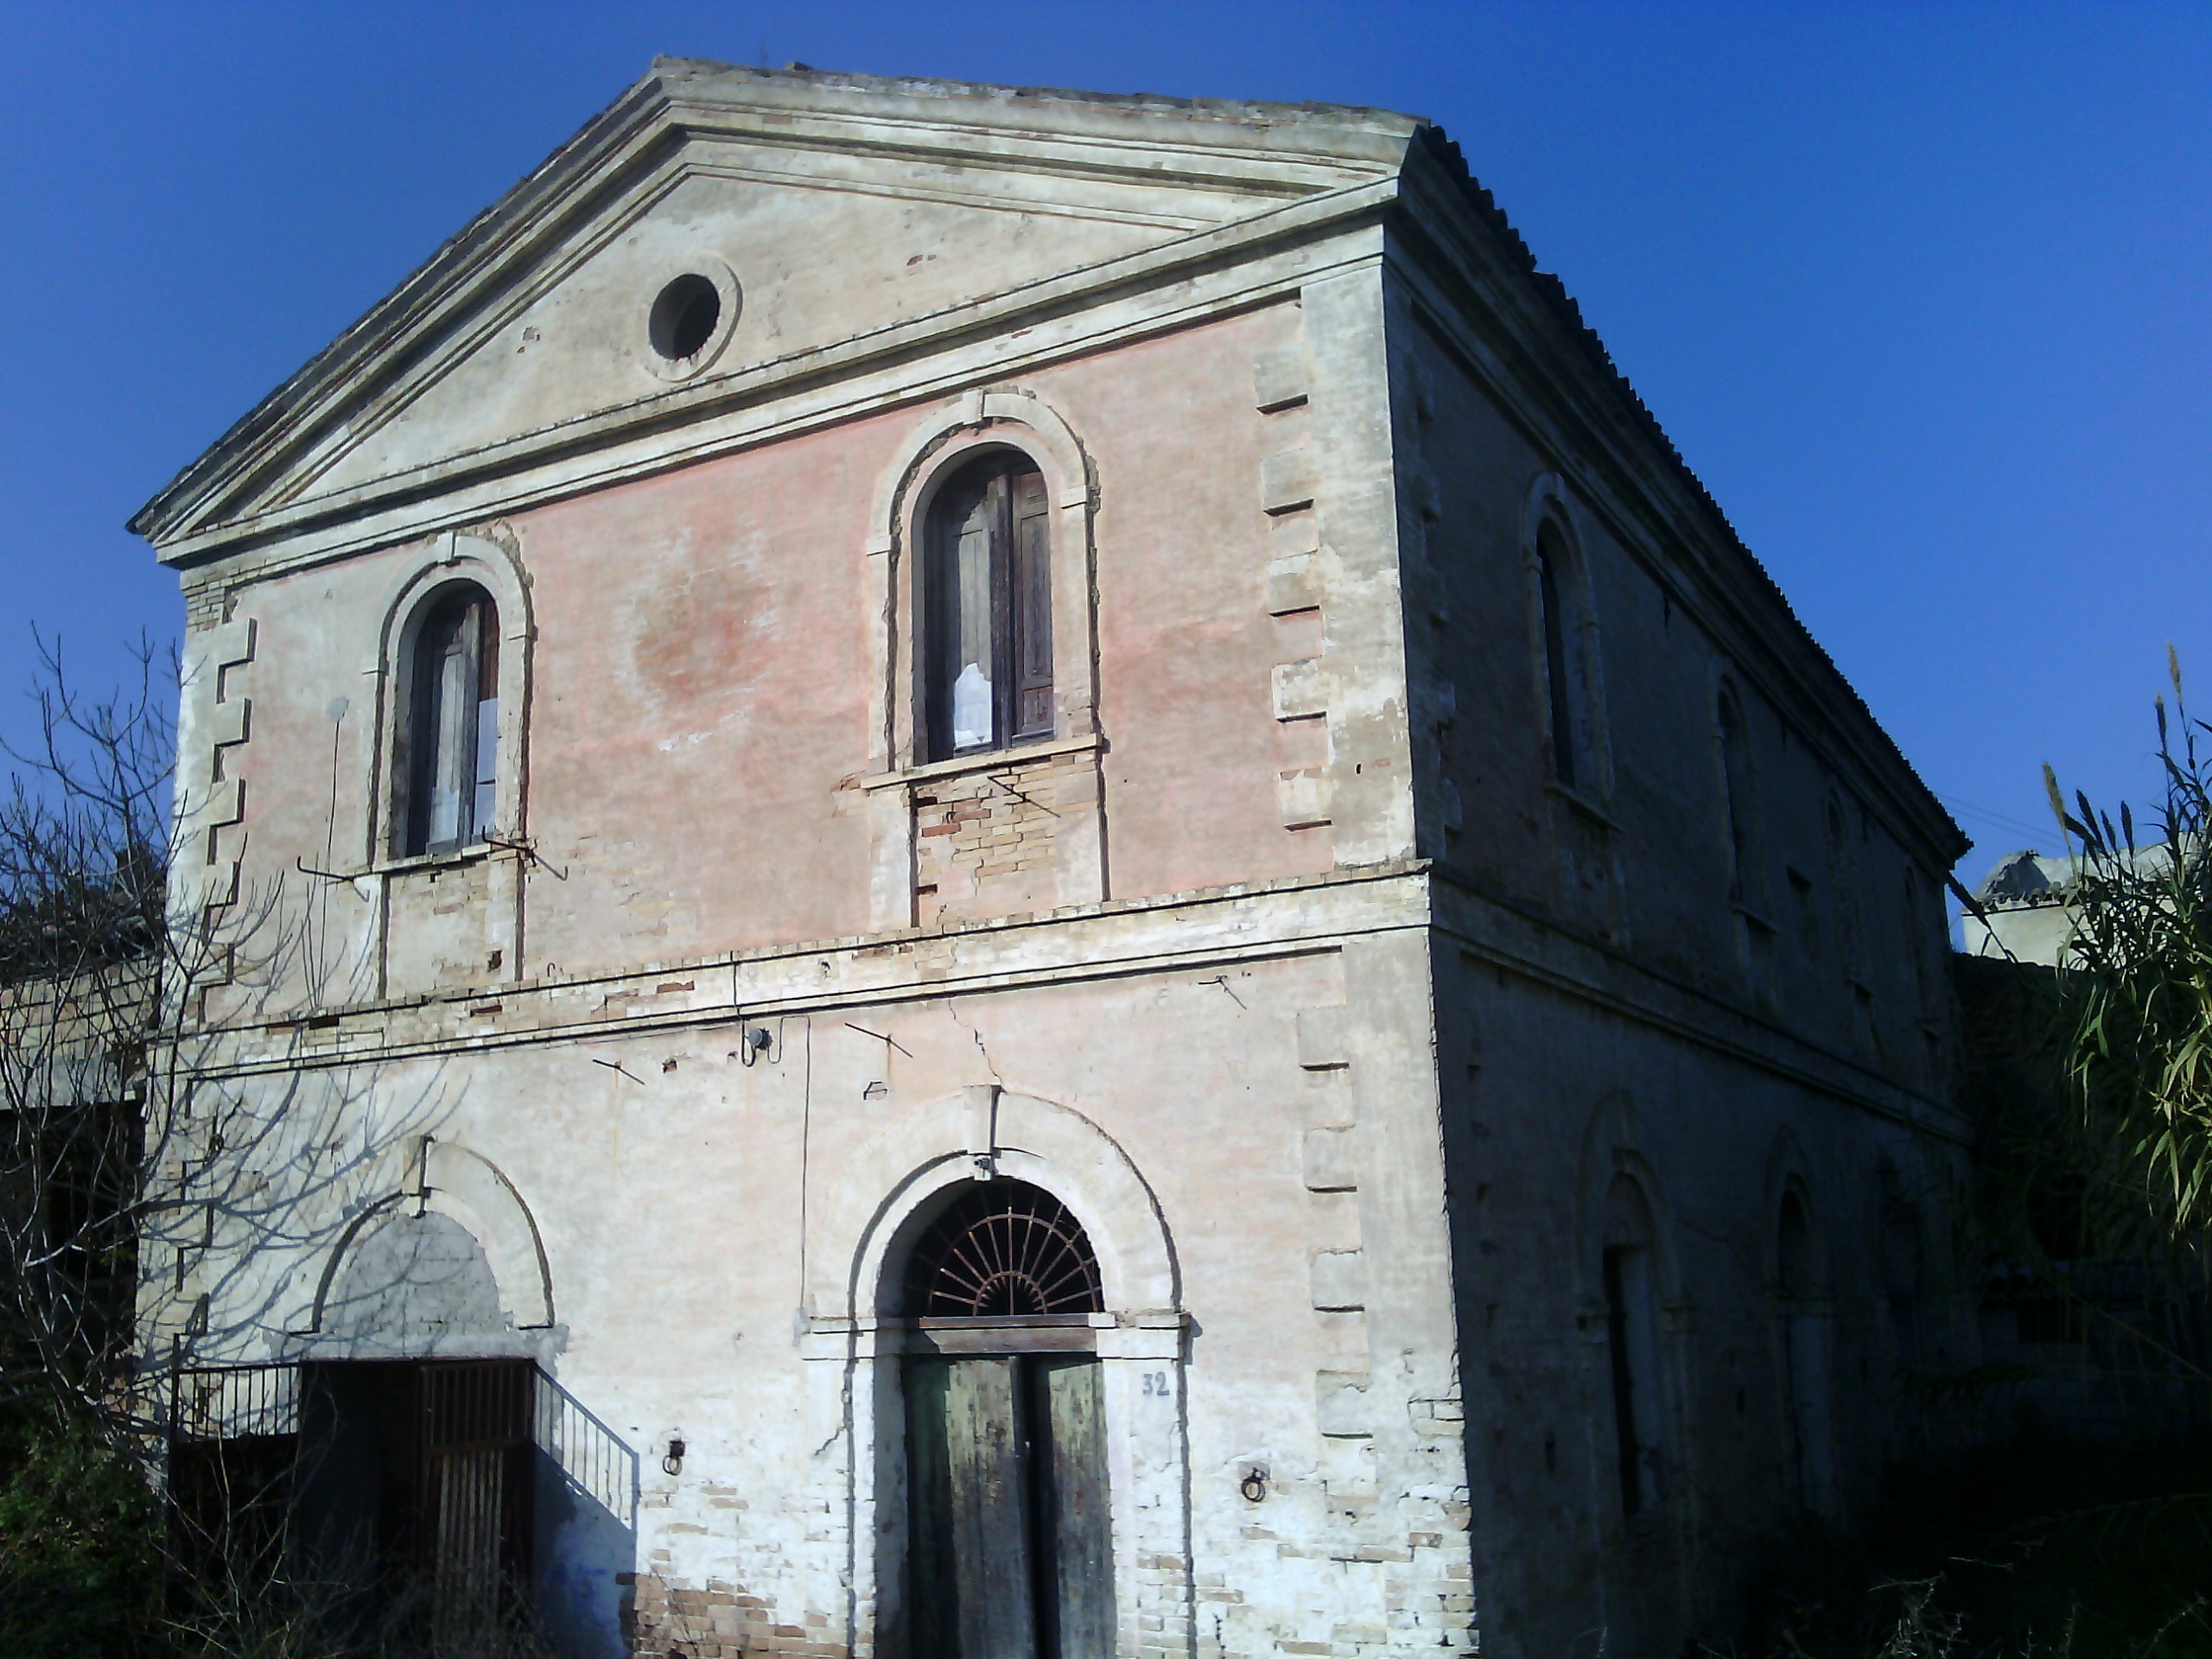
1009	1545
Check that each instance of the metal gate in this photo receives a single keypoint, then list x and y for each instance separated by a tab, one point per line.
474	1535
407	1488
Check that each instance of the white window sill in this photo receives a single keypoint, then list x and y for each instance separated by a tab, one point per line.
1585	805
475	852
983	760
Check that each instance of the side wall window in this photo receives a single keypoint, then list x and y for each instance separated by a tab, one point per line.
987	608
1565	688
1736	776
1843	874
449	767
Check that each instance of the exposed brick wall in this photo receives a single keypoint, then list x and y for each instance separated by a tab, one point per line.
988	841
722	1621
206	604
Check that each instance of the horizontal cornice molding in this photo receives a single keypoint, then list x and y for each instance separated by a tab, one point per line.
1325	173
1174	933
1246	262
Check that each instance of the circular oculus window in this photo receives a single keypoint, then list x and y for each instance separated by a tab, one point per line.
692	319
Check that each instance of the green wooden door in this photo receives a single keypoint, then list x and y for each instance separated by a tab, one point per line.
1009	1555
1076	1543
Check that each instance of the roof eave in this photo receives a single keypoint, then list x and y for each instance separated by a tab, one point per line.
1435	154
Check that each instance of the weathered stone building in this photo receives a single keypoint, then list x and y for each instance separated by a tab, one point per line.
1038	856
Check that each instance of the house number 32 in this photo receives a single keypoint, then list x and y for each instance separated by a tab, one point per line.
1155	1383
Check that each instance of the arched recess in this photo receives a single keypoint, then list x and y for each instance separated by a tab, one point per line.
496	567
444	1178
1612	1146
1788	1170
1546	506
983	1130
934	448
1633	1309
1804	1304
856	1256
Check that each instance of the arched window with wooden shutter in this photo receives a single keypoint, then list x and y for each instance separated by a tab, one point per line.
987	608
450	731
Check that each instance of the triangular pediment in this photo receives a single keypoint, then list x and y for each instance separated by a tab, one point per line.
823	209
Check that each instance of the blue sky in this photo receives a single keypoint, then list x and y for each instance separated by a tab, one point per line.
1924	293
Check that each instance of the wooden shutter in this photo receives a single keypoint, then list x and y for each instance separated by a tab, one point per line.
1030	604
451	764
484	748
987	593
1559	670
963	579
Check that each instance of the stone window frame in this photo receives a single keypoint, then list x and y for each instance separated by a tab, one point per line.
934	448
1743	827
1841	832
937	447
729	291
1548	505
460	556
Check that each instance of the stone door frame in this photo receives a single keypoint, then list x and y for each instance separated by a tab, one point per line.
854	1353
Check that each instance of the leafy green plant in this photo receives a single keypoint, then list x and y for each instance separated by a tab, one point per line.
79	1539
2137	986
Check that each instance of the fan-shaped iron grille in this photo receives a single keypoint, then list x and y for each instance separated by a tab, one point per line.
1003	1250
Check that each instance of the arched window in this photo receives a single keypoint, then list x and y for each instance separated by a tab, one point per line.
1632	1344
448	764
987	608
1567	693
1002	1249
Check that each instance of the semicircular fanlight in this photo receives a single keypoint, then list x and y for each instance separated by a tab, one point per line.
1003	1250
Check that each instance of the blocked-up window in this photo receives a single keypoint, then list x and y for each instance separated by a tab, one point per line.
451	731
987	608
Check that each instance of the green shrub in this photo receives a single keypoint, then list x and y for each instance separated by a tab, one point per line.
79	1541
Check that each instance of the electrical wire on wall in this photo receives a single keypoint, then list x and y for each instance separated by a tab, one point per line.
754	1044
